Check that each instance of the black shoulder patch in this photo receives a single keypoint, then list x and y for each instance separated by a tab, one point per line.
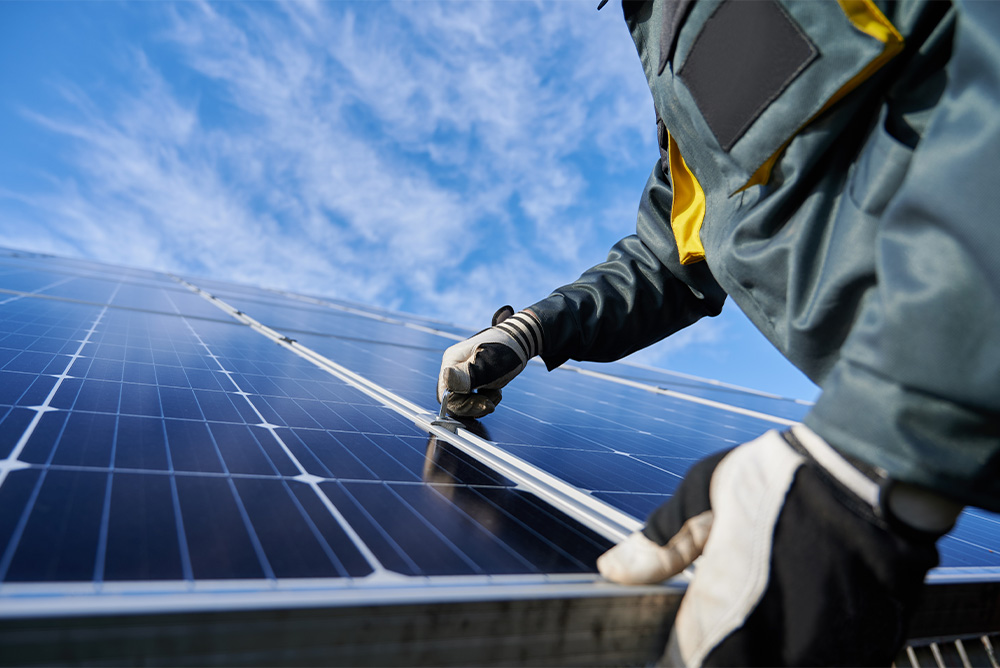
745	56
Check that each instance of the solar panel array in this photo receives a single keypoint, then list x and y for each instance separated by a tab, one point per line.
166	438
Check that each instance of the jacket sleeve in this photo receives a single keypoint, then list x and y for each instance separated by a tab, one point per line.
636	297
916	389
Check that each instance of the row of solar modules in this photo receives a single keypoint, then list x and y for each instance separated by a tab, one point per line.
625	443
148	435
144	446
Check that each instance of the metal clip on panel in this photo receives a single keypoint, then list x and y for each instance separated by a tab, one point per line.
443	419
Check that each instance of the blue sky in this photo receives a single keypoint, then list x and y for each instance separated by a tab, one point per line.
440	159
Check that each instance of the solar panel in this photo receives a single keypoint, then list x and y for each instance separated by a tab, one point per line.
170	444
624	434
240	446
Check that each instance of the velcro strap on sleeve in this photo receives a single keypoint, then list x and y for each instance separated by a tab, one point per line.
863	486
903	505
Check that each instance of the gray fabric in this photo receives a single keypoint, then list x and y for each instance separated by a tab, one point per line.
673	15
870	258
925	347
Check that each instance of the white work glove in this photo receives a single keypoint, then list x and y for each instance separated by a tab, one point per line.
805	559
474	370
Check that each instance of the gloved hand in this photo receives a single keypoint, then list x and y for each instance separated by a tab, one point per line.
804	558
474	370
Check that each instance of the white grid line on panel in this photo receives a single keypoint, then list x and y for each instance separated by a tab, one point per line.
12	462
303	474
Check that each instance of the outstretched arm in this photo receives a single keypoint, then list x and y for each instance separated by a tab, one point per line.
639	295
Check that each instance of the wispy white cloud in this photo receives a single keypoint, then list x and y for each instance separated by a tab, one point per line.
415	155
441	158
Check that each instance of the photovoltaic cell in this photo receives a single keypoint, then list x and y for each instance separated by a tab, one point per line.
66	515
143	542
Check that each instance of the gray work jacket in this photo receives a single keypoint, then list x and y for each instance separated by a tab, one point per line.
834	167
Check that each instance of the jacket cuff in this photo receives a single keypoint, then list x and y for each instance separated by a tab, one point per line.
915	437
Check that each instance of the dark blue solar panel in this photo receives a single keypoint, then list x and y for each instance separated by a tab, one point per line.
635	504
219	540
12	424
17	261
599	436
150	293
140	444
257	301
159	447
418	529
743	398
26	280
59	539
626	446
162	447
23	388
973	542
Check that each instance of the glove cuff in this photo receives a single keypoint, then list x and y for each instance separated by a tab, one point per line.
526	331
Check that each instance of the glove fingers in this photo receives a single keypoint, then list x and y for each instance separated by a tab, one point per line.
688	543
638	560
491	358
674	535
635	560
493	365
473	404
690	500
455	379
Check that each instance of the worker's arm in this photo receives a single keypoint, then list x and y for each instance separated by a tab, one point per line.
639	295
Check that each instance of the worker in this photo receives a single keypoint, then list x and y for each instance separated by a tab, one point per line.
834	168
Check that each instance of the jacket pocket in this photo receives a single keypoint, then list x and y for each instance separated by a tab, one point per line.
879	171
